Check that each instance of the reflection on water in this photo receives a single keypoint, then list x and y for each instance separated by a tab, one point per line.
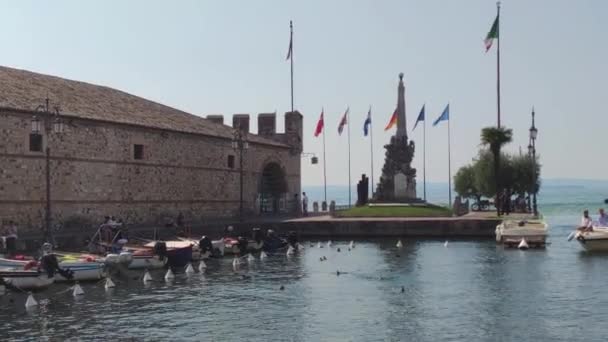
421	292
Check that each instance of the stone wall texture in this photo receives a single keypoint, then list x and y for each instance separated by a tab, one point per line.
94	174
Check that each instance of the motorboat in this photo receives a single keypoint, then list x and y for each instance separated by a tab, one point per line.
26	279
595	240
204	248
152	254
533	233
242	245
79	267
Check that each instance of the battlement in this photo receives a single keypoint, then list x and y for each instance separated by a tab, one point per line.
267	126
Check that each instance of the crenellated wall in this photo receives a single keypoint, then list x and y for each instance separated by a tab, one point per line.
94	172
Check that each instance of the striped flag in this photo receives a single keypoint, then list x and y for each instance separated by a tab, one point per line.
493	34
343	122
392	122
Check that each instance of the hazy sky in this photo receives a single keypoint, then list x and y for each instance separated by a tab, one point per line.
210	57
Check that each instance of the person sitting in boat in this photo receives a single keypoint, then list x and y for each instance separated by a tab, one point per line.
603	218
586	223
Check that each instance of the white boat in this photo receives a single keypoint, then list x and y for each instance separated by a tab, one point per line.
596	240
26	280
511	232
81	268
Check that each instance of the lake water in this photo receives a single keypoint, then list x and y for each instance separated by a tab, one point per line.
425	291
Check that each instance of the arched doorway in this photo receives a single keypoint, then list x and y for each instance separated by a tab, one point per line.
273	187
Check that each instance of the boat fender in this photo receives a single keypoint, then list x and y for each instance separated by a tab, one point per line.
77	290
250	258
147	277
523	244
399	244
263	255
169	275
109	283
290	251
189	269
30	301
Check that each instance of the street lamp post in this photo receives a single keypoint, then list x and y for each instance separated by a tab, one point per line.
239	143
532	151
51	122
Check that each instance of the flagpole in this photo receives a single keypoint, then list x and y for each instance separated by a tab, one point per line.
349	180
498	61
291	60
449	164
324	160
424	157
371	146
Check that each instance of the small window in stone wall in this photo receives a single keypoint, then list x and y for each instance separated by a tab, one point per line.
231	161
138	151
35	142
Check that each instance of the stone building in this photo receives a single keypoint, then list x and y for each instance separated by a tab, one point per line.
113	153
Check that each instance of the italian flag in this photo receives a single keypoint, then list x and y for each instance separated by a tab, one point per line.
493	34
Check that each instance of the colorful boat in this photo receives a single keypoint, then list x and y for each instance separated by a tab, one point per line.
81	267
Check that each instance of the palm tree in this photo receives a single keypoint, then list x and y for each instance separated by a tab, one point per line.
495	138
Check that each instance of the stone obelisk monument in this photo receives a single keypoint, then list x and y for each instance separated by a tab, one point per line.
398	180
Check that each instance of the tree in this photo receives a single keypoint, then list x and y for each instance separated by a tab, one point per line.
465	185
517	174
495	138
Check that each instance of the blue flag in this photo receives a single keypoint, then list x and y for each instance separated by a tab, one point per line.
444	116
420	117
367	122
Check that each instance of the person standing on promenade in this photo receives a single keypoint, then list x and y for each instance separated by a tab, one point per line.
304	204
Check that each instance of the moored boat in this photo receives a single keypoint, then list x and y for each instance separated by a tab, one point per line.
533	232
26	279
81	268
595	240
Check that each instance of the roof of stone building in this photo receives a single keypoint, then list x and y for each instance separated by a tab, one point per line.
25	90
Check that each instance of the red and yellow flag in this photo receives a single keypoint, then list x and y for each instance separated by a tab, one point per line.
392	122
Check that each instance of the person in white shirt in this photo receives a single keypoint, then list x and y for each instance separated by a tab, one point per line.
603	219
304	204
586	222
